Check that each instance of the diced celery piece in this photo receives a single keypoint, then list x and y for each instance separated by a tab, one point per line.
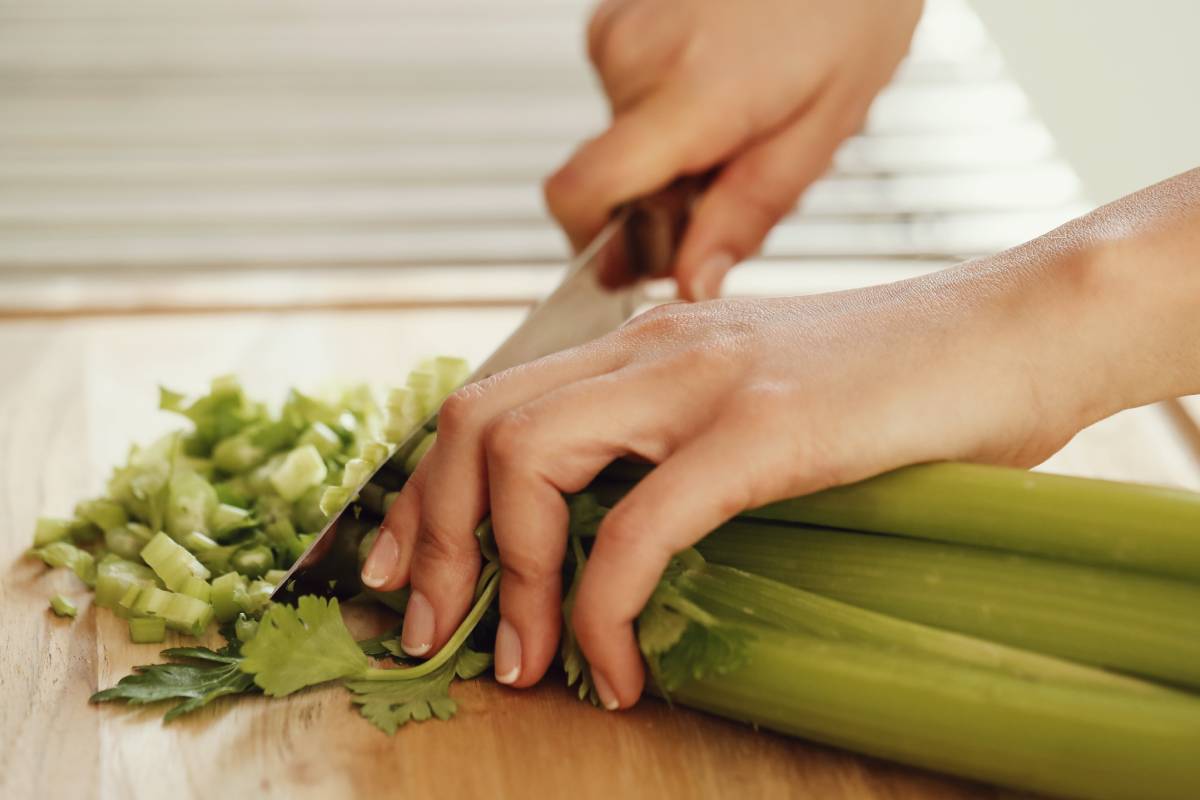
187	614
334	499
274	576
147	630
65	554
228	596
197	588
197	542
114	577
424	385
151	602
452	372
356	473
190	501
172	562
414	458
304	467
127	540
245	628
227	519
124	606
375	453
238	453
253	561
49	530
62	606
306	512
403	413
322	437
258	596
225	384
105	514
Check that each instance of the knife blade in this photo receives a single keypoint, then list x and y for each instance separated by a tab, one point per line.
577	311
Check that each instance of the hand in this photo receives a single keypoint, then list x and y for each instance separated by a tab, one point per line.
764	90
739	403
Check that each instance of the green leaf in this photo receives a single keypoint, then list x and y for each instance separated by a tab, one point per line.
376	645
390	704
585	514
471	664
302	646
680	640
574	664
196	684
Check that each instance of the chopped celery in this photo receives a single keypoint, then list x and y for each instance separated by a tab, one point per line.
414	458
334	499
356	472
424	385
105	514
151	602
306	512
226	520
275	576
147	630
65	554
322	438
198	543
50	529
141	485
115	576
197	588
187	614
239	453
191	500
172	562
452	372
127	540
62	606
124	606
229	596
375	453
253	561
303	468
258	597
245	628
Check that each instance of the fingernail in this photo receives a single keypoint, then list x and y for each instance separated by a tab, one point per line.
508	653
418	625
608	698
706	283
382	561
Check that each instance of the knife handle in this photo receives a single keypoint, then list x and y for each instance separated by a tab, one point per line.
656	225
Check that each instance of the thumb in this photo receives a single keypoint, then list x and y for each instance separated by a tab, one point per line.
750	195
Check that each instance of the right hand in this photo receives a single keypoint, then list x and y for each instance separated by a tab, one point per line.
762	90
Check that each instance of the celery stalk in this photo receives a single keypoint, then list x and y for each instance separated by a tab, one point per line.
962	720
1106	523
1138	623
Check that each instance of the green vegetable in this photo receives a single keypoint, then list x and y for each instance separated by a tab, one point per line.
253	561
197	677
228	596
62	606
127	540
1105	523
64	554
50	529
172	562
414	458
105	514
115	576
301	470
1137	623
147	630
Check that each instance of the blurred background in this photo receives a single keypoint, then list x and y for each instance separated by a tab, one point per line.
158	155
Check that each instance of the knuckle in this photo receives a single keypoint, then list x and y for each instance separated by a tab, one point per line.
506	439
613	38
459	410
527	565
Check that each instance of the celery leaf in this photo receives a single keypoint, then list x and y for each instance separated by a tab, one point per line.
390	704
302	646
203	676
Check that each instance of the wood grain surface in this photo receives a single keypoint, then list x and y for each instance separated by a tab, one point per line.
77	392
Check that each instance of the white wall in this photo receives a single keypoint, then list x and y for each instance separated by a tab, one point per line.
1116	81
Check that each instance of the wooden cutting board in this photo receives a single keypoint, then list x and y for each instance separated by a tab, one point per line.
76	392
